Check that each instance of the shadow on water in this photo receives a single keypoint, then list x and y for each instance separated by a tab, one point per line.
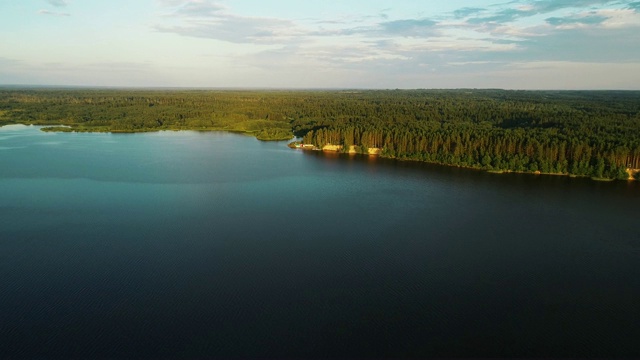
630	189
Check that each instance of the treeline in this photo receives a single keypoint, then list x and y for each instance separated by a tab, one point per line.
584	133
147	110
593	134
489	148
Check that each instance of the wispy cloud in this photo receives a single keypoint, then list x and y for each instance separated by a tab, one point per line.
466	12
409	27
529	9
198	9
468	40
571	21
572	32
211	20
239	30
546	6
58	3
53	13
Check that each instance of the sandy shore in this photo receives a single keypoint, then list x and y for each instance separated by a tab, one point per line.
352	149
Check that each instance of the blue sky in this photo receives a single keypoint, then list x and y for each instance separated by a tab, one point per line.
519	44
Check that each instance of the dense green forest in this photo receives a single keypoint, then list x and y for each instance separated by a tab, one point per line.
582	133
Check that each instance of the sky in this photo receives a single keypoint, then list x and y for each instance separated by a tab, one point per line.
376	44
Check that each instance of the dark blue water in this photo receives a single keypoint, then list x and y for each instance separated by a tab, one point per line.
186	244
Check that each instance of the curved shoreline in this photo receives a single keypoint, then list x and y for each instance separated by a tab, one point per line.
634	174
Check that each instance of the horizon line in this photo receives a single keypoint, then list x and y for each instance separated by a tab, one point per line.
268	88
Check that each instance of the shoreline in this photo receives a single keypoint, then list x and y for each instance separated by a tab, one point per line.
258	134
633	173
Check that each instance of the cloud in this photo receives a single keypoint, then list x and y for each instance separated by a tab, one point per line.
192	8
471	40
574	32
532	8
199	9
58	3
210	20
53	13
409	27
625	18
614	45
235	29
570	21
547	6
466	12
606	35
502	16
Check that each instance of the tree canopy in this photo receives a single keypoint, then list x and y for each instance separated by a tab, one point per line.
584	133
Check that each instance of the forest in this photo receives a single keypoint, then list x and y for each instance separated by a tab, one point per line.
579	133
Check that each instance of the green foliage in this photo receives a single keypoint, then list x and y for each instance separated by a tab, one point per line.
255	113
582	133
274	134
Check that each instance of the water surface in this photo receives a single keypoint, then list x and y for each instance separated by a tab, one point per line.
188	244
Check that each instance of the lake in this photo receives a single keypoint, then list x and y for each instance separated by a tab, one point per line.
189	244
